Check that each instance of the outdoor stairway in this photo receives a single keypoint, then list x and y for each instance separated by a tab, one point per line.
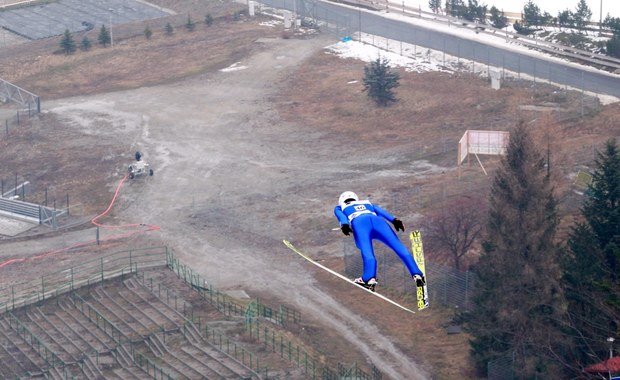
120	329
169	339
17	356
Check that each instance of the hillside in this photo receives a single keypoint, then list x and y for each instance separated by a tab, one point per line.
226	172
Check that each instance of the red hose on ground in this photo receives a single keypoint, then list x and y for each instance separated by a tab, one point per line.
139	228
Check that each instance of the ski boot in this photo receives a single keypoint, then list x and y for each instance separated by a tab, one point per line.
419	280
370	284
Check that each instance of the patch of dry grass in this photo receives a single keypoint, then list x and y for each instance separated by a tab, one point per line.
133	62
433	111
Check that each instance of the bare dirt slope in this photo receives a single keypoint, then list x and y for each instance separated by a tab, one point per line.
232	179
249	156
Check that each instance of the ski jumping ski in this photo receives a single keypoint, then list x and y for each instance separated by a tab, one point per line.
292	247
418	256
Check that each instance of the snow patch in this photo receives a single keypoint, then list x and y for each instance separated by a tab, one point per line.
234	67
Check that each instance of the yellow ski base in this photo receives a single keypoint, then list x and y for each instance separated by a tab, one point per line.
418	256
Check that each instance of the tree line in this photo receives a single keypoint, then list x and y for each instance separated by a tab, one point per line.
548	304
104	37
532	18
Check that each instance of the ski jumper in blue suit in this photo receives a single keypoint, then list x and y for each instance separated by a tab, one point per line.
370	222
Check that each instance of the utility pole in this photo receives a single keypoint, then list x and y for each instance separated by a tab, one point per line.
600	24
111	35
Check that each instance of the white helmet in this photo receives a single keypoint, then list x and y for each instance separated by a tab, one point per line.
347	195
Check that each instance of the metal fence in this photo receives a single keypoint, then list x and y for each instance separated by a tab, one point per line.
86	273
26	99
14	118
447	286
450	51
314	14
398	7
501	369
27	105
135	261
20	198
455	54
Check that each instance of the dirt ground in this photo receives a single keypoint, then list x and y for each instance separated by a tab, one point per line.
259	152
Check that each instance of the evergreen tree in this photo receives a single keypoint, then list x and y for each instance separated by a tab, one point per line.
168	29
592	270
208	19
582	14
148	33
456	8
566	18
189	24
67	44
475	12
379	81
613	23
498	20
613	46
85	44
531	14
104	37
518	292
435	5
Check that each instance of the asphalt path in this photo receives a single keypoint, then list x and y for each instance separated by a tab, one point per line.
346	19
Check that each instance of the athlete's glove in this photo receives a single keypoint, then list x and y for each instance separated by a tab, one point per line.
398	224
346	229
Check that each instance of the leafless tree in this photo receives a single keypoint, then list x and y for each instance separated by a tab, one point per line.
452	232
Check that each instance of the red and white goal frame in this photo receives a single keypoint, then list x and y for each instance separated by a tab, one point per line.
481	142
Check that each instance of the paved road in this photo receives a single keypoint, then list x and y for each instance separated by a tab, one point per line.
345	19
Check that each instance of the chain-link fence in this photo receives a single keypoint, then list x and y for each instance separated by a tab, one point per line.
314	14
456	54
27	105
448	48
14	118
447	286
501	369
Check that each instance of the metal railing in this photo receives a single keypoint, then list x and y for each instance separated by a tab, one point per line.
26	99
86	273
534	43
447	286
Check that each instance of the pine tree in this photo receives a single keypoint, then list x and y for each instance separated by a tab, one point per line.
498	20
67	44
613	46
435	5
85	44
148	33
582	14
208	19
592	271
532	16
566	18
189	24
475	12
613	23
517	297
379	81
456	8
168	29
104	37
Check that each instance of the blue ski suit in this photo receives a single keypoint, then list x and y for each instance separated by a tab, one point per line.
369	222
